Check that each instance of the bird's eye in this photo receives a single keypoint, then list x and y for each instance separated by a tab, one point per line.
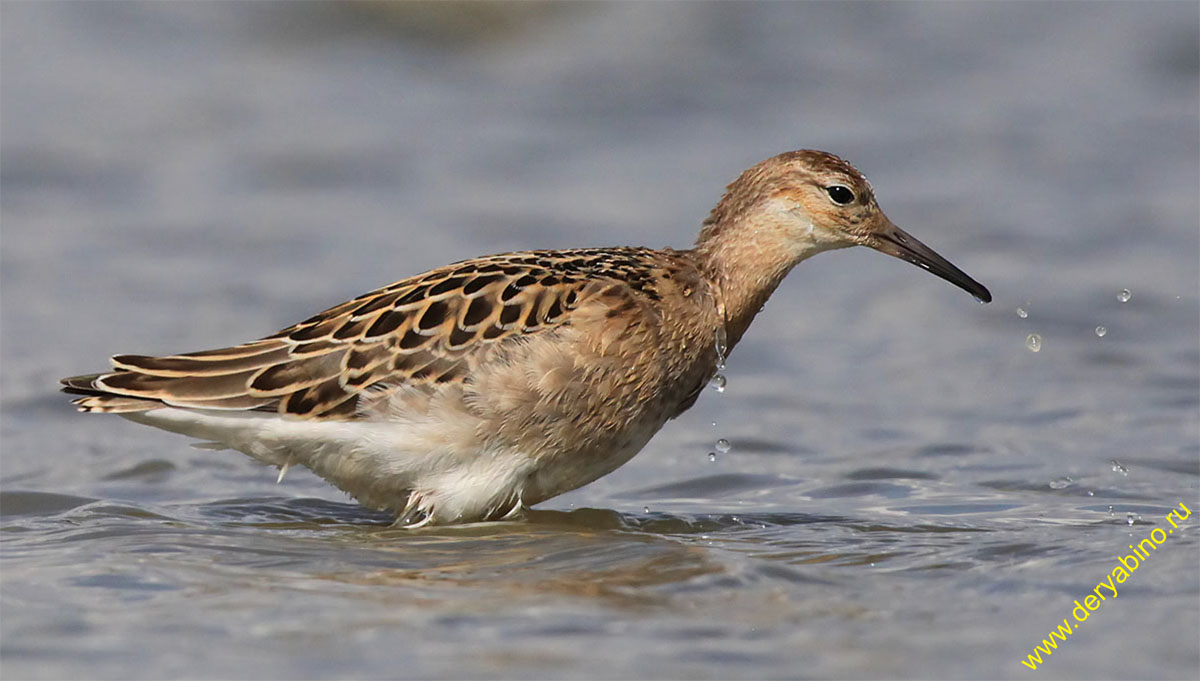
840	194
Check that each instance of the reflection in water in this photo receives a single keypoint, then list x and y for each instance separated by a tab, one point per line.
545	556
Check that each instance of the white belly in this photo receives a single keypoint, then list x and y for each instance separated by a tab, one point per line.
425	468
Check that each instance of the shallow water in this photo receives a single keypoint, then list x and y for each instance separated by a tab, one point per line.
910	491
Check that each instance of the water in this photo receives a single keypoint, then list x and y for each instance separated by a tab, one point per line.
722	348
718	382
1034	342
181	176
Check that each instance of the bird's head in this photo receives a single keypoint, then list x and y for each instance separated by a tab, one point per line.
803	202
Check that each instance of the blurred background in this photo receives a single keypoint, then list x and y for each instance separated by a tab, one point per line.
915	486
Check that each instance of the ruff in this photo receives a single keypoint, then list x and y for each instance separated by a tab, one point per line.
474	390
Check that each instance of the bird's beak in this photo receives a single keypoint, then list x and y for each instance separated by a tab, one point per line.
895	241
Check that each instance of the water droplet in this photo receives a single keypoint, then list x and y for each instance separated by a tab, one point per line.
1090	493
645	509
1061	483
1022	313
1110	510
722	346
712	456
714	424
718	382
1101	331
723	446
1118	467
1129	518
1034	342
1124	295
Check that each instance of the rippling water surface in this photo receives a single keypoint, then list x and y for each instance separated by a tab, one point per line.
910	490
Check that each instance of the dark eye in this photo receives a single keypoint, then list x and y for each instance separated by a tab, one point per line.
840	194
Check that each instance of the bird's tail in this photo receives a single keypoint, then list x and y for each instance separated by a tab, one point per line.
97	399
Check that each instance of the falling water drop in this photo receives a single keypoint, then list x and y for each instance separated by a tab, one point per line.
1034	342
1022	313
645	509
1118	467
723	446
712	456
1061	483
718	382
1124	295
1101	331
722	346
1129	518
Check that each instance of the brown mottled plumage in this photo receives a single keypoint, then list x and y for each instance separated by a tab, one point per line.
476	389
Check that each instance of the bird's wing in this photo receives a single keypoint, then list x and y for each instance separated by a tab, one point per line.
428	329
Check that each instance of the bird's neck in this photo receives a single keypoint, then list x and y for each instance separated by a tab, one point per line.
746	265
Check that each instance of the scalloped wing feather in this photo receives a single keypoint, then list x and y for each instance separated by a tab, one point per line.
429	329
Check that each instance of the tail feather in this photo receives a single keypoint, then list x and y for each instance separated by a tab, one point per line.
186	388
96	399
114	404
99	397
81	385
241	358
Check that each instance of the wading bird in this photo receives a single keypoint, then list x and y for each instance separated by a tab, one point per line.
483	387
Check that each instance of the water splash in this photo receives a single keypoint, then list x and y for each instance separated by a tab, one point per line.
1034	342
1124	295
1101	331
1061	483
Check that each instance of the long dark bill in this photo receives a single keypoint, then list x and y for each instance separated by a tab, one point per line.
901	244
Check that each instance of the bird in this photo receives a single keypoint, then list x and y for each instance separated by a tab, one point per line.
476	390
